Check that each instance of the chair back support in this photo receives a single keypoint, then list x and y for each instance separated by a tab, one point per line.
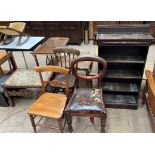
65	55
18	26
92	58
56	69
151	90
14	29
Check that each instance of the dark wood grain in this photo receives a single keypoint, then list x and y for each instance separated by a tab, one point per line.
125	48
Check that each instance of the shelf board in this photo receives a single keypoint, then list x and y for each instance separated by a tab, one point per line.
124	59
122	74
120	101
120	87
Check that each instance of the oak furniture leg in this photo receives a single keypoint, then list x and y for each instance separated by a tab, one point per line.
103	122
69	122
33	123
60	125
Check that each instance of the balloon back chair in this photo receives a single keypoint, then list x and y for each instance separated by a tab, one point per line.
87	102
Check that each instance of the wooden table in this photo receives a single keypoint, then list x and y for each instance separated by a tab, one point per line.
24	43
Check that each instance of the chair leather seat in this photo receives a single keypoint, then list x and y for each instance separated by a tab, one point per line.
86	100
49	105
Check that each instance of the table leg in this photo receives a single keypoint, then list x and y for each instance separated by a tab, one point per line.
11	61
1	71
25	60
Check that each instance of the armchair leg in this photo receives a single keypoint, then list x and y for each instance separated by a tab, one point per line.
69	122
103	122
33	123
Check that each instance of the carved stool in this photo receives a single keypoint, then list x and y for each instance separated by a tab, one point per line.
3	99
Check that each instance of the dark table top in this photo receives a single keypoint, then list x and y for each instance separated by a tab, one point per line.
26	43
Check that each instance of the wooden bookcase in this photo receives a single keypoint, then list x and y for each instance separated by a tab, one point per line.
125	49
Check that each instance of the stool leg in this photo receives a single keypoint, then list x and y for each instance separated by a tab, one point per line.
10	100
60	125
69	122
33	123
103	122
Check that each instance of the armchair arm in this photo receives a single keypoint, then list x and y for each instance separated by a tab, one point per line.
150	82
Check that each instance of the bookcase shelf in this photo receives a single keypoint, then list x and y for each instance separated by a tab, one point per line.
123	74
120	87
124	59
120	101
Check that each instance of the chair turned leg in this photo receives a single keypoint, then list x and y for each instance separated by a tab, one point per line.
60	125
33	123
103	122
92	120
69	122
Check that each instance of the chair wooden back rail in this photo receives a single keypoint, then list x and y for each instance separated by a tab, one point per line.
56	69
64	55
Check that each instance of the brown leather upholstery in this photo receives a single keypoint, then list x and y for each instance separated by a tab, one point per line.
87	99
87	102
